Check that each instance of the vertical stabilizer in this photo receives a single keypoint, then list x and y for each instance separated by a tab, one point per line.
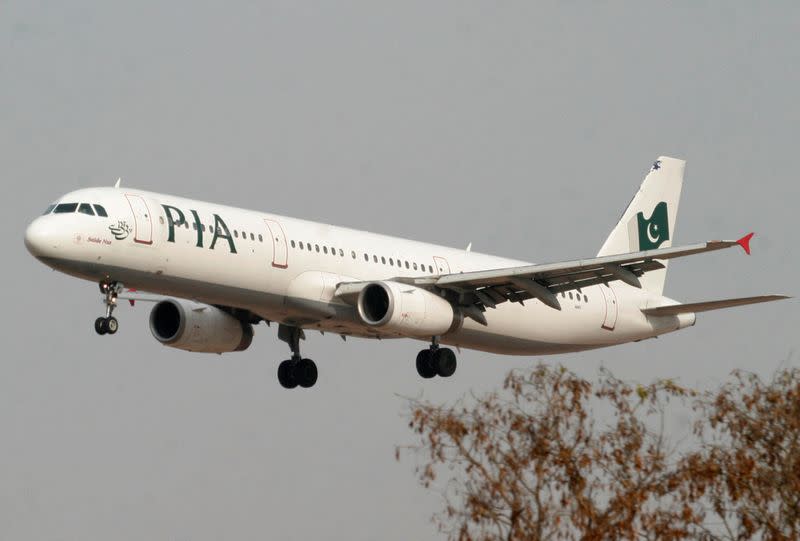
649	221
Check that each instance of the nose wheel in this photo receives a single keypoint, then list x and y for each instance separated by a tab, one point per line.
108	324
436	361
296	371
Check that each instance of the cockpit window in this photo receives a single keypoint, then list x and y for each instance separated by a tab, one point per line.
86	208
49	210
101	211
65	208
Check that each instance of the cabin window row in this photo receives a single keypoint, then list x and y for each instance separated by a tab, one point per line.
236	233
375	259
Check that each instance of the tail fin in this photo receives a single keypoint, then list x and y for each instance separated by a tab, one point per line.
649	220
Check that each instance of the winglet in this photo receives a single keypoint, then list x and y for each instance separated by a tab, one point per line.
117	183
744	242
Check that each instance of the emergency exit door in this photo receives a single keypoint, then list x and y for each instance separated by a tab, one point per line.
442	266
280	252
612	308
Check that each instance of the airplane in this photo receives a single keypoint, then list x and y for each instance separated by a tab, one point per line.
215	271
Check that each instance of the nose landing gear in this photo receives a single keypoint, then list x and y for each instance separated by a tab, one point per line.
108	324
295	371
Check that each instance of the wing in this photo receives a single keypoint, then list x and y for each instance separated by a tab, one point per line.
475	291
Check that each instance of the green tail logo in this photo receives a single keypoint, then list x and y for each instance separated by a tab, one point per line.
654	231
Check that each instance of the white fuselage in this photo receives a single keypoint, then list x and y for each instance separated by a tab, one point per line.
287	270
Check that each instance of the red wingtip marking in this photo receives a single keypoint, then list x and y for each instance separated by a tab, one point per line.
132	301
744	242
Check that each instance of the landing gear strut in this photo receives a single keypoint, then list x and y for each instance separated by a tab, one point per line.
108	324
436	361
295	371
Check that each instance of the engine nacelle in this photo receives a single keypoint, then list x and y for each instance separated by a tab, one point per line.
405	309
193	326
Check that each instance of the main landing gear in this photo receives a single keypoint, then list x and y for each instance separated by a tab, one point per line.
295	371
436	361
108	324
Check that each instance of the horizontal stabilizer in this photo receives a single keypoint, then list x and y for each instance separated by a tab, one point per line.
676	309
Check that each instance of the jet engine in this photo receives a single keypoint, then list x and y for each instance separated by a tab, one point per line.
193	326
405	309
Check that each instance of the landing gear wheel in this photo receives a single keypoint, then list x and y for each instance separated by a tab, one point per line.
444	361
100	326
112	325
286	374
108	324
296	371
425	367
305	372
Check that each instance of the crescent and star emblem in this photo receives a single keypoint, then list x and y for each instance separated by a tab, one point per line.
652	233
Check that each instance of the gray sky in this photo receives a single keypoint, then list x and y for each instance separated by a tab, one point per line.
521	127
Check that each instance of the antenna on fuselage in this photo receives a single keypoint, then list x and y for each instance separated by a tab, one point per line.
116	184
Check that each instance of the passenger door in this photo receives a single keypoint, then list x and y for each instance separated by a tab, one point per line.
143	223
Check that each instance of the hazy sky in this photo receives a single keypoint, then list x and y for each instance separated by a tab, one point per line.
522	127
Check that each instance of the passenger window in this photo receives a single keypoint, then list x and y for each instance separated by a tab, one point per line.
406	264
353	253
101	211
261	239
308	246
236	233
324	249
430	269
49	210
415	266
570	295
252	237
391	262
585	298
317	247
375	258
292	244
366	258
383	260
65	208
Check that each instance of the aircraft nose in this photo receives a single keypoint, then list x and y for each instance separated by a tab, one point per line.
41	237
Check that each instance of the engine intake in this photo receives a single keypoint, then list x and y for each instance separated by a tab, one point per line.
405	309
193	326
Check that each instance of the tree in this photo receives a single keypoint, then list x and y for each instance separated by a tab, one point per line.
748	470
534	461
